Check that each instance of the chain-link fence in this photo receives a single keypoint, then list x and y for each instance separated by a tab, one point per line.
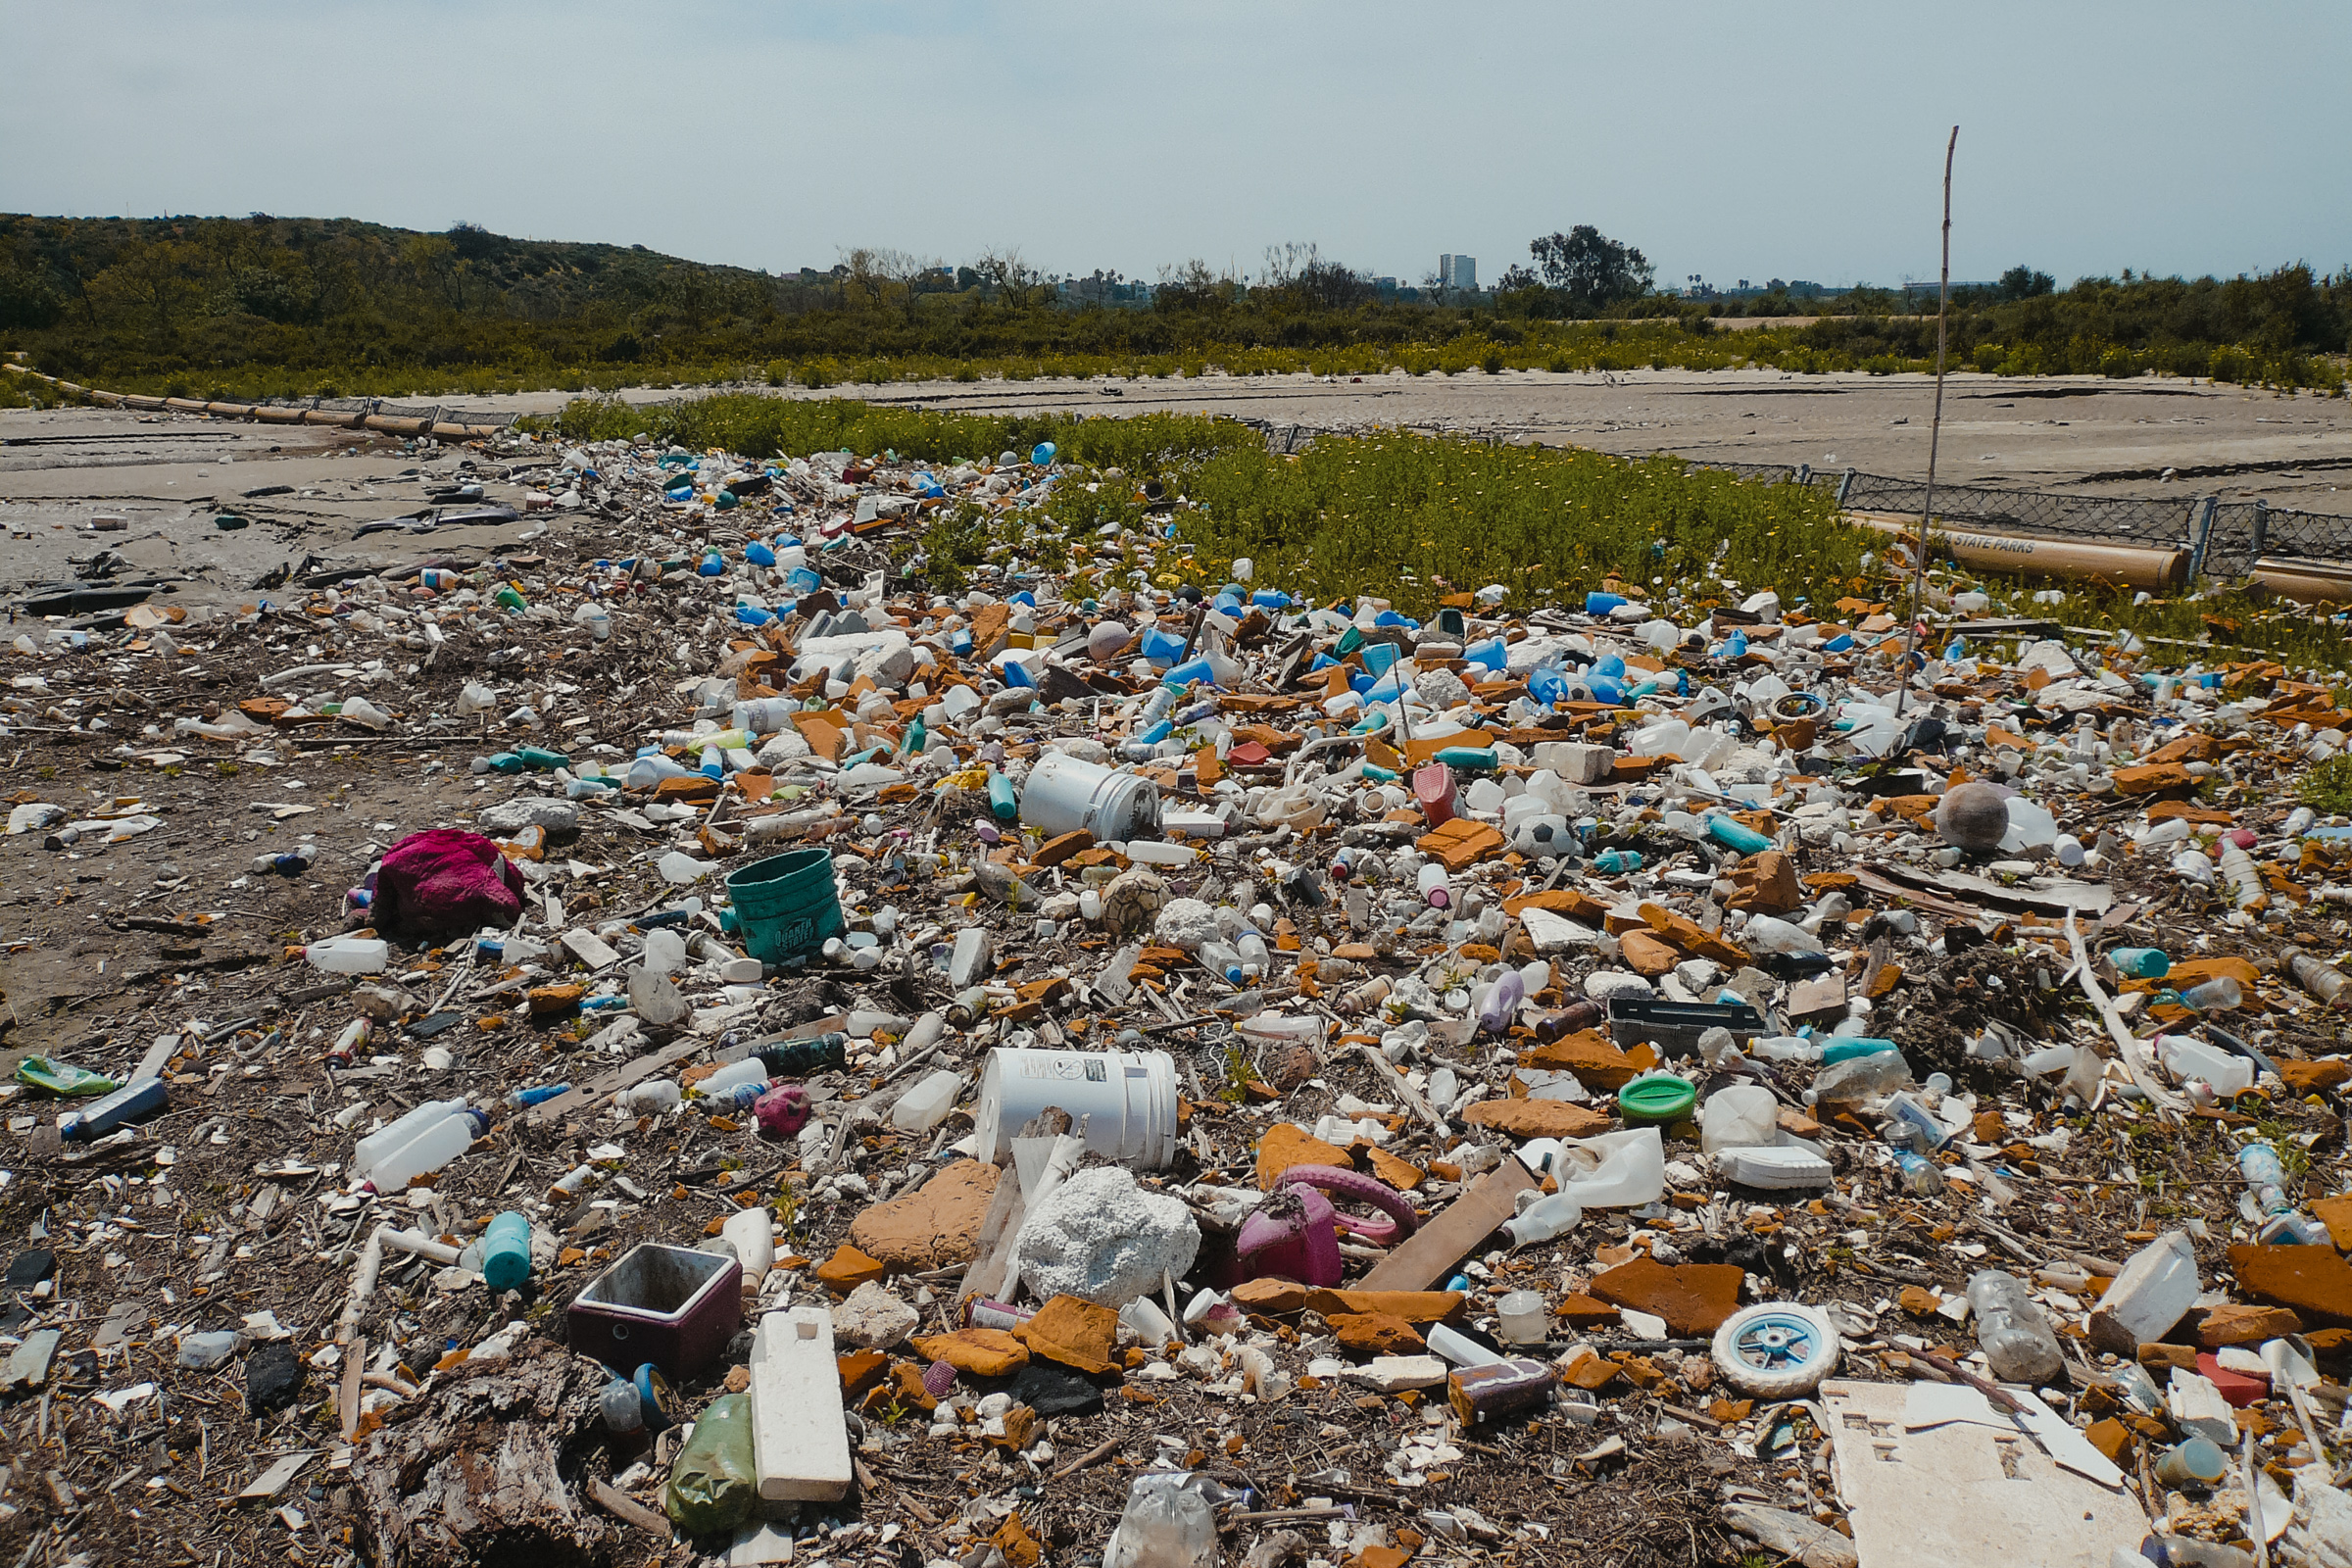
2223	538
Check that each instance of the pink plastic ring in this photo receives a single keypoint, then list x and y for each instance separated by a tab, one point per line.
1356	1186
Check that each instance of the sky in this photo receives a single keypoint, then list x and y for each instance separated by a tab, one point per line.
1802	140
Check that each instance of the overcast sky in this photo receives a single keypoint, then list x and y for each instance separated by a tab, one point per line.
1802	140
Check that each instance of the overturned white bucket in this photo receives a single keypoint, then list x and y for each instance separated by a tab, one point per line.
1065	794
1126	1100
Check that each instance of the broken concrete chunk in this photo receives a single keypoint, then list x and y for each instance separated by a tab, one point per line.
873	1319
1392	1374
1102	1237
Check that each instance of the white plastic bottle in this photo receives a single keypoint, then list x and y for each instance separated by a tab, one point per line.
1431	881
1545	1219
748	1070
385	1140
1775	935
349	954
428	1151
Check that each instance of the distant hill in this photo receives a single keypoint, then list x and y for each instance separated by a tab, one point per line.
143	295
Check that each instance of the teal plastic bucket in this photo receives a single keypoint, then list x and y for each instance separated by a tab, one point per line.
786	904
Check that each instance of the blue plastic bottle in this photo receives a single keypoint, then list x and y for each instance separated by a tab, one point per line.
507	1253
1000	798
1184	674
1736	835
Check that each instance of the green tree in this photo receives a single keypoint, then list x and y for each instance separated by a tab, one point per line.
2024	283
1593	270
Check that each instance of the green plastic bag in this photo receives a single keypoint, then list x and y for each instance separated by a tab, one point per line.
61	1078
716	1482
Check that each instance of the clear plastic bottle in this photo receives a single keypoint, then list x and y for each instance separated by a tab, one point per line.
2220	994
1770	934
2017	1339
2266	1182
1917	1174
1862	1079
1786	1047
294	863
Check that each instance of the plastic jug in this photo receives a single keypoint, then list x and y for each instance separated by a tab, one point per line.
428	1151
1544	1220
349	954
1632	1169
2184	1059
928	1104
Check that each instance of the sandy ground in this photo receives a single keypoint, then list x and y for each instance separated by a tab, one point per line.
2080	433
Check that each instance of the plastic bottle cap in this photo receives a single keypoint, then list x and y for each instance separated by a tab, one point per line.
1663	1099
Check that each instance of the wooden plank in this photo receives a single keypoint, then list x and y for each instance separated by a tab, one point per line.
622	1506
355	1355
273	1480
597	1091
1424	1257
600	1090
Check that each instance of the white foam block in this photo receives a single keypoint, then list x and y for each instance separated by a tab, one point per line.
800	1442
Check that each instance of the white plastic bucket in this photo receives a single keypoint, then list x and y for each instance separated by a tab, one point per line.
1127	1100
1065	794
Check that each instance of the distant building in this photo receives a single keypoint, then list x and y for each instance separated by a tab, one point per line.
1457	273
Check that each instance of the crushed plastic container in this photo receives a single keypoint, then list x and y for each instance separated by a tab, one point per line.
1739	1116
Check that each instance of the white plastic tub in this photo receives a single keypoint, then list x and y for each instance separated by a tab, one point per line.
1127	1100
1065	794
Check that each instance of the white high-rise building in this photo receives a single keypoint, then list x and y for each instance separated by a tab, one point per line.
1457	271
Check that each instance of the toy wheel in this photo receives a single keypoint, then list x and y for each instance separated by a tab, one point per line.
1776	1351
